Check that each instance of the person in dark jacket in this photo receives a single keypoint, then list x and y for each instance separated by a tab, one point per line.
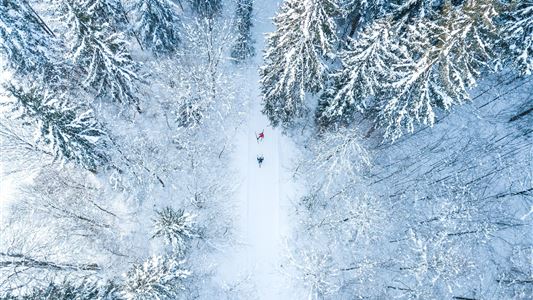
260	159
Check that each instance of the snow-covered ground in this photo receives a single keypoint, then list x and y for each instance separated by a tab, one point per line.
255	269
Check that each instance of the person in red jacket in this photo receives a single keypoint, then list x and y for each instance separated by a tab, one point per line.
260	136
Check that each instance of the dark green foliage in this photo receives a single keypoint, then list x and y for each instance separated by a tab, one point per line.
176	226
105	11
296	58
101	52
157	25
244	44
72	133
206	8
518	35
158	277
70	291
400	72
25	43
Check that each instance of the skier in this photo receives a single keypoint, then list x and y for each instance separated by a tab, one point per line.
260	159
260	136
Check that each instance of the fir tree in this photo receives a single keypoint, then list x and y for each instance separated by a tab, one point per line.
157	25
72	133
412	10
176	227
401	73
244	44
157	278
106	11
366	67
206	8
26	42
101	52
447	56
85	290
360	13
295	57
518	34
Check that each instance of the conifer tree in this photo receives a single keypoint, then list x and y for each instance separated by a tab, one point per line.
106	11
361	13
447	57
72	133
85	290
366	67
206	8
26	42
101	52
157	25
402	72
295	57
518	34
157	278
176	227
243	47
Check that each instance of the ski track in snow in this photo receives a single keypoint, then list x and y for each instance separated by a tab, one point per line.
263	193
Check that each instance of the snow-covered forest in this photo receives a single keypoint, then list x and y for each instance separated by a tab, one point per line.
268	149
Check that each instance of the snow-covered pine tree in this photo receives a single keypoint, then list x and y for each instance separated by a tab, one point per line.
518	35
105	11
176	227
206	8
156	24
84	290
244	44
72	133
448	55
25	41
412	10
295	57
100	52
366	67
157	278
360	13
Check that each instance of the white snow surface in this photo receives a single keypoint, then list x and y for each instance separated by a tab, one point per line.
255	269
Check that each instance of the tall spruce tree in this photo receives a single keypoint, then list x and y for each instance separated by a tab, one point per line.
177	227
206	8
157	278
366	67
71	133
448	56
84	290
361	13
518	35
295	57
156	24
26	42
101	52
107	11
403	75
244	43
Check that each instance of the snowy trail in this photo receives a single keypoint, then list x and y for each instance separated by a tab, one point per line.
264	192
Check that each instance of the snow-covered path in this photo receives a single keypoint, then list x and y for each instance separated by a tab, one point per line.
263	207
264	192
